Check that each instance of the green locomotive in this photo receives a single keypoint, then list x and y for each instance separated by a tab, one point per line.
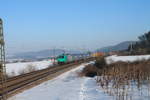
65	58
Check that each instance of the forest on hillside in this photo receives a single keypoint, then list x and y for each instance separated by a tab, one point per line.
142	46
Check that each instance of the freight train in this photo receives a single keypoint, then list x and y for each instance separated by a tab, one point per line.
68	58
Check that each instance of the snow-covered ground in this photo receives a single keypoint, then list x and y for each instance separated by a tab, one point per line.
13	69
115	58
67	86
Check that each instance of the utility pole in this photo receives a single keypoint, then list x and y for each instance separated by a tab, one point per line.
2	63
54	55
131	48
63	50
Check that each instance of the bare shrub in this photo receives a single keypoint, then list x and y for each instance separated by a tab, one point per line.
22	71
29	68
121	79
89	71
11	74
118	78
93	70
100	62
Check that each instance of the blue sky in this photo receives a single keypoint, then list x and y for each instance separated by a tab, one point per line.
32	25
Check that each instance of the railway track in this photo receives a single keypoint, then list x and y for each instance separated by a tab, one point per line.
18	83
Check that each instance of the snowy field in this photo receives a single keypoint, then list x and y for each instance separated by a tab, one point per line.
13	69
115	58
69	86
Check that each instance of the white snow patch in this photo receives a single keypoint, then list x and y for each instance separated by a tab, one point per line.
115	58
13	69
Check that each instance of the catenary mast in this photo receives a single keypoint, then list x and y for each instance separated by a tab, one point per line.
2	62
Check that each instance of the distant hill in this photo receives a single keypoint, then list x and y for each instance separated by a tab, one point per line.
41	54
50	53
118	47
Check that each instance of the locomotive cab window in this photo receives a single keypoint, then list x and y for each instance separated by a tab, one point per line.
61	57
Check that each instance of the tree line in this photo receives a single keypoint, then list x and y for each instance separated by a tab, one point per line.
142	46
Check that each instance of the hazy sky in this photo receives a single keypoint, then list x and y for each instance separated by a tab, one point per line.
32	25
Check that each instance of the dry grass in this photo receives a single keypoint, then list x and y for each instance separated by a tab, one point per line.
117	79
120	79
121	71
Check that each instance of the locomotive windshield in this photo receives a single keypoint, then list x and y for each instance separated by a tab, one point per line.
61	57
